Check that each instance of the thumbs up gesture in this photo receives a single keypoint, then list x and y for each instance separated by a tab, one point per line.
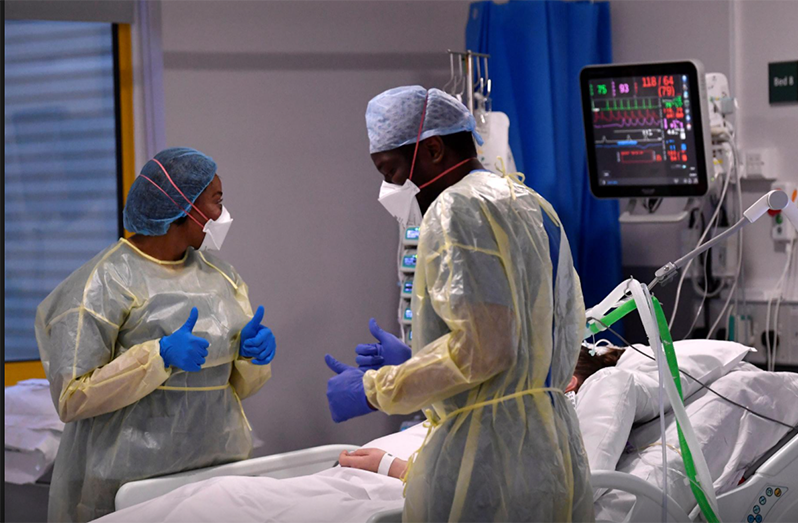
257	341
184	350
388	351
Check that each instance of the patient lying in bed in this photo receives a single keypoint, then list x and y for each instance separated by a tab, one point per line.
617	410
587	365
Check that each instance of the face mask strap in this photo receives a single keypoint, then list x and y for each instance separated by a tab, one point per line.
178	190
447	171
418	137
173	201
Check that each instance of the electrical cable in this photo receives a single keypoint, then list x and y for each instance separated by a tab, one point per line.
705	292
735	165
740	267
652	204
771	351
700	241
703	386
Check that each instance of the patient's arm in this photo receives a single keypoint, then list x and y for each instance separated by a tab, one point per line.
369	459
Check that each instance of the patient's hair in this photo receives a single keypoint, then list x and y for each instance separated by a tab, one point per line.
588	365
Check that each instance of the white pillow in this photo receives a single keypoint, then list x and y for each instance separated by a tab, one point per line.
705	360
610	401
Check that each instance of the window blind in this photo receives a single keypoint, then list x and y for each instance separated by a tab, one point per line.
61	178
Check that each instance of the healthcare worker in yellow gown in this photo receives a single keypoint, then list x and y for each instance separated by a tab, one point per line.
150	346
497	321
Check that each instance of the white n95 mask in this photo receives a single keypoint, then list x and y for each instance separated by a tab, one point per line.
216	231
401	202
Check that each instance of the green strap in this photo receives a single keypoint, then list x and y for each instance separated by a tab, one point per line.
670	356
687	456
613	317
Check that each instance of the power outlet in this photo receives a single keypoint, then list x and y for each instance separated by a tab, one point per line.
724	257
759	164
781	230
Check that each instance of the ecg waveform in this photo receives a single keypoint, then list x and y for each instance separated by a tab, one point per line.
642	120
632	120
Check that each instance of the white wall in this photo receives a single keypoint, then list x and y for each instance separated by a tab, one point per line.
737	38
765	31
276	93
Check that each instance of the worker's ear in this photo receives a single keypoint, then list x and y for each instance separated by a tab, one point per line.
435	148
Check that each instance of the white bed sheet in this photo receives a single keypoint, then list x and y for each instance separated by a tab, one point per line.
731	440
32	431
334	495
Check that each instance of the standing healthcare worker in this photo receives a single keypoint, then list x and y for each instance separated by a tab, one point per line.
150	346
497	322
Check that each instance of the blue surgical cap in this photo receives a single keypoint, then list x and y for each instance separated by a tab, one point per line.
149	211
393	117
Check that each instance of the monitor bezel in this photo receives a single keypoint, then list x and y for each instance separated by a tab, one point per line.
695	73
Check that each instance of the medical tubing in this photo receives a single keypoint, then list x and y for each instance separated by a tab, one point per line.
740	268
771	351
706	498
642	298
663	431
702	384
702	292
734	287
700	240
651	315
790	248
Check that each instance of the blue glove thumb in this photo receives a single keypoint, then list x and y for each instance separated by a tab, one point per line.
255	321
191	321
251	328
335	365
376	331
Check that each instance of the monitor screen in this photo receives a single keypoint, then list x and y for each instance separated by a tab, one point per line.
409	260
646	129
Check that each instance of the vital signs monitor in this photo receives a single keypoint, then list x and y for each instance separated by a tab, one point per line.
647	129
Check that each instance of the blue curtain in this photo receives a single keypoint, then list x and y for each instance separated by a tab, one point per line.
537	49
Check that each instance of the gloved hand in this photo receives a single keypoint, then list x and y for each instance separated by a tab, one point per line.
182	349
345	392
389	351
257	341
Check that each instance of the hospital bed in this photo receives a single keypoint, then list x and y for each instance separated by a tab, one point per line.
769	491
279	466
775	482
